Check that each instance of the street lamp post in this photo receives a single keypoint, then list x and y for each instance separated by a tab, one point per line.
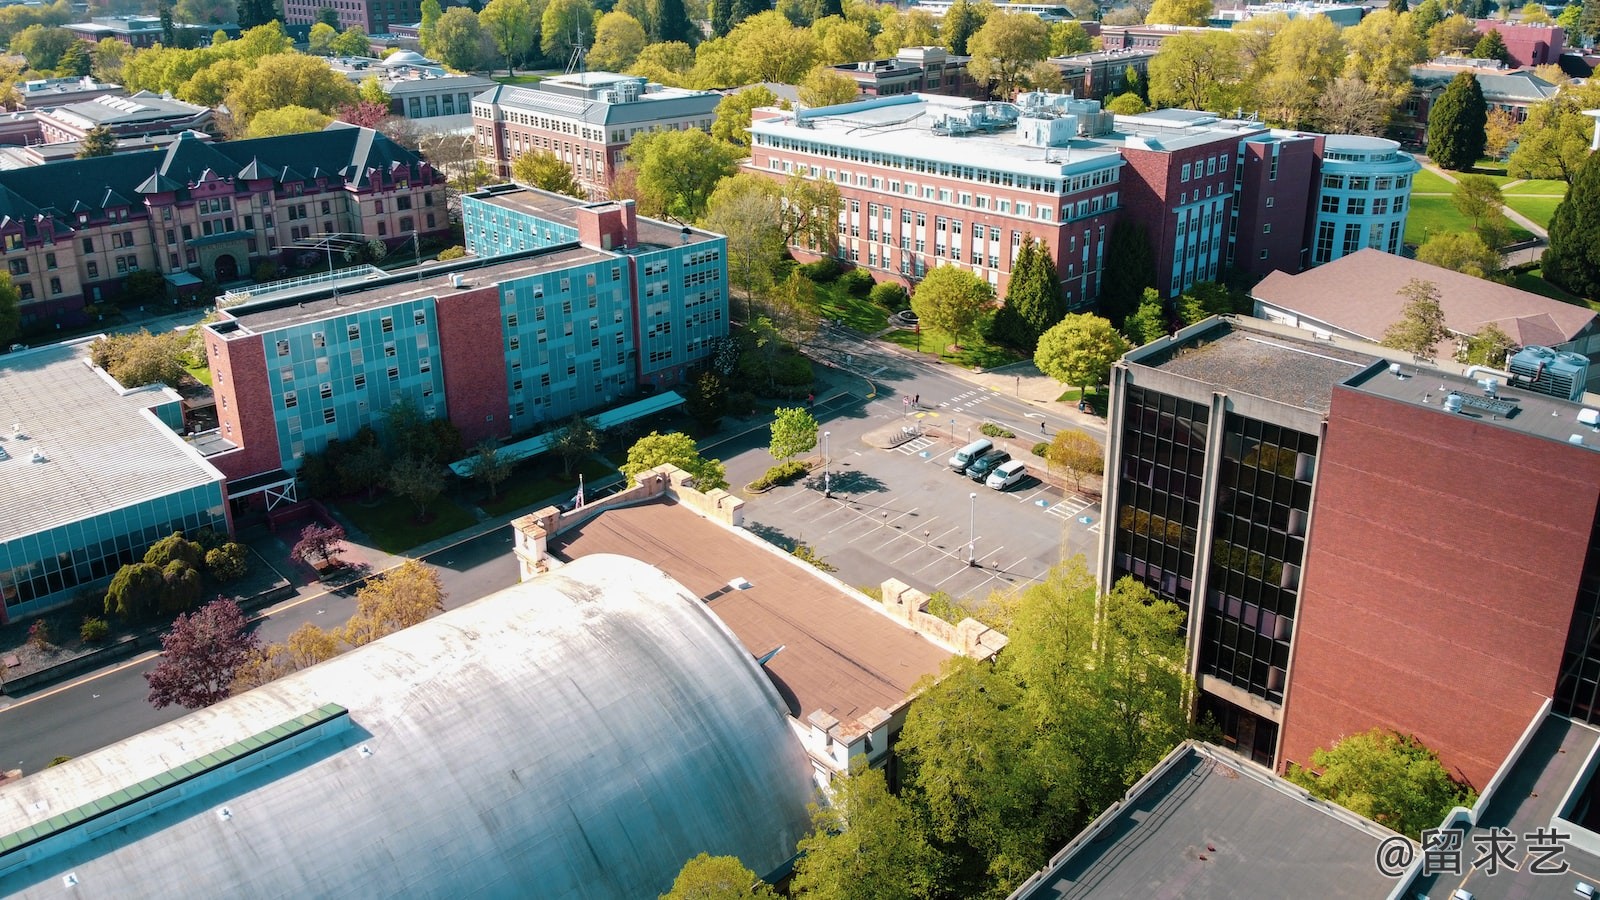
827	461
972	542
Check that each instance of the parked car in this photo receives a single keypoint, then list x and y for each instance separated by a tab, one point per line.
969	454
980	469
1007	476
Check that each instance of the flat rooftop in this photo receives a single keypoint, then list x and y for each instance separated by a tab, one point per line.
1205	824
1532	794
318	301
102	452
1517	410
1241	361
653	233
840	655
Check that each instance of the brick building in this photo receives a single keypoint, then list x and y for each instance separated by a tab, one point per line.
1503	89
1103	73
371	16
1527	45
72	231
585	118
914	70
1321	512
141	115
594	304
146	31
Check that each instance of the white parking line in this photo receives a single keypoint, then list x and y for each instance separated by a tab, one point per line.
915	446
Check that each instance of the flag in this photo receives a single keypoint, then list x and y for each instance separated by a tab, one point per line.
577	502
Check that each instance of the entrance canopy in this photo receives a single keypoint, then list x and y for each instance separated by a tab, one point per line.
539	443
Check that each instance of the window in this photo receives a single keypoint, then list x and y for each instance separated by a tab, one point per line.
354	331
327	416
49	260
1356	206
361	380
283	348
1266	229
1330	203
19	266
1185	175
290	401
388	324
318	340
88	243
55	285
92	268
325	391
25	290
419	317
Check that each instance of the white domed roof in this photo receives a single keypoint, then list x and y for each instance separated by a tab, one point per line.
407	58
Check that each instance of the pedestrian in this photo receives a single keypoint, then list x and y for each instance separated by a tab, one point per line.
811	400
917	400
1041	428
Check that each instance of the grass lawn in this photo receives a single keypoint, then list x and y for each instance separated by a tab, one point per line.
1098	399
540	479
1539	209
517	79
1426	182
201	374
393	526
1533	282
1557	188
860	313
1432	215
974	352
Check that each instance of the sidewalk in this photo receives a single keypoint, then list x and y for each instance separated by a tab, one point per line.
1516	256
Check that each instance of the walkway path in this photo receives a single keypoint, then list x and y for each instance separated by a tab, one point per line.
1516	257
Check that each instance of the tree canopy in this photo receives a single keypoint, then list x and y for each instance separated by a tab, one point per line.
1033	296
732	122
618	40
1179	12
199	656
709	877
867	844
286	120
678	170
1421	326
1456	124
678	449
546	171
287	79
1573	258
396	599
748	210
951	300
1005	49
1464	253
1079	350
794	431
1393	779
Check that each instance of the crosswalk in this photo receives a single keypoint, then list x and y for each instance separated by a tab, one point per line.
915	446
966	400
1070	508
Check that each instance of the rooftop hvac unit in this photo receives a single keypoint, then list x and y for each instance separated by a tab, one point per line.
1545	371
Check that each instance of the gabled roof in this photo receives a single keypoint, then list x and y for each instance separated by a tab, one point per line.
157	183
1504	86
1359	294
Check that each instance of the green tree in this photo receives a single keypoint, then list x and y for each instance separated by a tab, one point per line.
678	170
458	39
792	312
826	86
42	46
417	479
286	120
867	844
1129	269
1080	350
794	431
1382	49
1453	36
1487	346
1456	124
811	213
352	42
174	548
1068	39
164	16
565	26
1005	49
397	599
432	10
288	79
707	400
912	27
1464	253
769	48
512	27
1179	12
951	300
748	209
180	586
319	41
1078	453
839	41
10	310
961	21
669	21
1393	779
1206	299
328	16
668	63
1127	104
677	449
1492	46
575	441
228	562
109	55
1196	70
1427	14
139	358
1572	261
77	61
97	141
253	13
546	171
1421	326
135	592
1149	321
732	122
618	39
1399	6
709	877
1554	140
490	467
1033	296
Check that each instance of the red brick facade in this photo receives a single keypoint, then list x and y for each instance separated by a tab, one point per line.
1395	630
244	406
1156	194
472	351
1278	223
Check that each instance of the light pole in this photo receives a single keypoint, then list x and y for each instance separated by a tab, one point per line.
972	542
827	483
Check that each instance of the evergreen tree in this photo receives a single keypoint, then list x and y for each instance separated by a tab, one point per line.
718	12
831	8
1589	20
256	12
1399	6
99	141
669	21
328	16
1456	124
1491	46
1573	260
960	21
1033	297
1129	269
164	12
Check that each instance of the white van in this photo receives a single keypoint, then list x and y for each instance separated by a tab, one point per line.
968	454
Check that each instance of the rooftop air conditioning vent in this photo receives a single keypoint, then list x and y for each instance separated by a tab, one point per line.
38	455
740	584
1453	403
1576	440
1590	417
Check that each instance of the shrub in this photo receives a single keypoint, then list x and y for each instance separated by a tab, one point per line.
1040	448
266	271
890	295
39	635
174	547
992	430
227	562
58	761
792	370
824	271
94	630
134	592
804	553
455	252
782	473
857	281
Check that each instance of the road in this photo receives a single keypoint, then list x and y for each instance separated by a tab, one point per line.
107	706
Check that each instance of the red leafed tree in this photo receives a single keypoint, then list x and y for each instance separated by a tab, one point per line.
366	113
200	655
318	543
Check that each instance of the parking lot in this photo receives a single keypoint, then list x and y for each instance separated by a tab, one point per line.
903	513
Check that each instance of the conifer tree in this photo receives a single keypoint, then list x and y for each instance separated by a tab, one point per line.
1573	260
1456	124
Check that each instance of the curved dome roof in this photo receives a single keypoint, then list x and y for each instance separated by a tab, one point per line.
578	735
407	58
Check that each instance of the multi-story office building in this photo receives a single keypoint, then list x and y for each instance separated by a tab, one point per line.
143	114
1296	498
1527	45
73	231
914	70
572	307
1365	189
978	177
587	119
419	89
371	16
1103	73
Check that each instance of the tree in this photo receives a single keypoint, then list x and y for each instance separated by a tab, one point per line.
1492	46
490	467
317	544
1129	270
546	171
574	442
164	16
1393	779
1080	350
709	877
253	13
319	41
906	28
1078	454
768	48
418	479
288	79
707	400
10	310
867	844
1421	326
352	42
1033	295
1573	258
618	39
1589	20
228	562
678	170
1487	346
134	594
951	300
77	60
286	120
174	548
961	21
180	586
1478	198
1456	124
811	210
432	11
363	113
1351	106
140	358
1399	6
1068	39
304	648
328	16
1179	12
1127	104
1382	48
670	21
794	431
1554	140
748	209
1500	133
668	63
565	26
97	141
397	599
793	314
1005	48
1306	55
109	54
826	86
42	46
199	656
1149	322
458	39
732	122
677	449
1569	18
513	28
1195	70
1453	36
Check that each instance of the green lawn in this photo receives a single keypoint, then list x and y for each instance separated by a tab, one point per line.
393	526
834	302
1539	209
540	479
1098	399
1432	215
1533	281
517	79
1557	188
974	352
1426	182
201	374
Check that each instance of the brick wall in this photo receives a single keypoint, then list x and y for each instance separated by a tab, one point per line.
1291	213
472	354
244	405
1443	566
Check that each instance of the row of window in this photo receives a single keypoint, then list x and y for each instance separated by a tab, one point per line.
1365	182
1357	206
977	174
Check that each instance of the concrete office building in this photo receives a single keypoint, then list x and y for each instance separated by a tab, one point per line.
587	119
92	474
1296	498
